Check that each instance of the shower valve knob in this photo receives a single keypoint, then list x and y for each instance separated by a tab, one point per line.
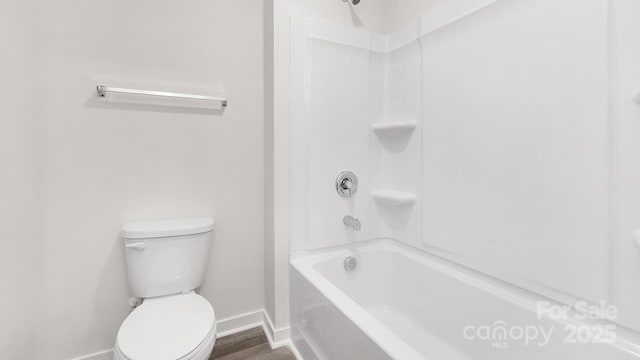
346	183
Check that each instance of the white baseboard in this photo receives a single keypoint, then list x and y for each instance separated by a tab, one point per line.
279	337
100	355
239	323
229	326
276	337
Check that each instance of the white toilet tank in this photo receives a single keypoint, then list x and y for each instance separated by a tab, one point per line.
167	256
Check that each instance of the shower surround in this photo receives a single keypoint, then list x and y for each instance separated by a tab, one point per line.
482	138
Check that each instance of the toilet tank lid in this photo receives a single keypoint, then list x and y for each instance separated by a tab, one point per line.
145	229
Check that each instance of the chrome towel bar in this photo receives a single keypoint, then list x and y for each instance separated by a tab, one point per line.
103	91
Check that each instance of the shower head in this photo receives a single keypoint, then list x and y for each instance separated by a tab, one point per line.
354	2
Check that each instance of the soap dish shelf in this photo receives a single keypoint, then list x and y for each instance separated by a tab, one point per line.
400	128
394	197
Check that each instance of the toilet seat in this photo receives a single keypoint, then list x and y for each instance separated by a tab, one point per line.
201	353
176	327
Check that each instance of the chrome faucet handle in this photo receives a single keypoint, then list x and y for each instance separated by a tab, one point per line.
346	183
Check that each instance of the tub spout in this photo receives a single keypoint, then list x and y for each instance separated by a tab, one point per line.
352	222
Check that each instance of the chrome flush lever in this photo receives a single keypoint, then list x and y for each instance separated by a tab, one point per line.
136	246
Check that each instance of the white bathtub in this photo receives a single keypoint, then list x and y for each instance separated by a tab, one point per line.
401	303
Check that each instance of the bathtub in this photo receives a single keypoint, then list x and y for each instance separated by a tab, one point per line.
403	303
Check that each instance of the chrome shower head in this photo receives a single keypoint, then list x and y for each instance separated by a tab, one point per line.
354	2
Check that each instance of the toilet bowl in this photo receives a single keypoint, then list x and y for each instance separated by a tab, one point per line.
166	261
172	327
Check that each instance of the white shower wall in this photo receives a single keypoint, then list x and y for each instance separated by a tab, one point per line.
625	264
395	157
511	160
332	101
346	81
517	145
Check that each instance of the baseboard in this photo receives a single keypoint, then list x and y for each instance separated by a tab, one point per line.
239	323
279	337
276	337
100	355
229	326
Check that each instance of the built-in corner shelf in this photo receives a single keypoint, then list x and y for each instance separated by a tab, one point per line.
399	128
394	197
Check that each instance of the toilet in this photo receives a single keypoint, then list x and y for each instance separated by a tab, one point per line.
167	261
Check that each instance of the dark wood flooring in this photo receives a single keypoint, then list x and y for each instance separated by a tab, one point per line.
248	345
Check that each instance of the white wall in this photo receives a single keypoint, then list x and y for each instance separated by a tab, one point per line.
625	262
18	211
368	15
269	171
399	13
107	163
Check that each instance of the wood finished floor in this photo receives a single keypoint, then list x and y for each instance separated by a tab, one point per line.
248	345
